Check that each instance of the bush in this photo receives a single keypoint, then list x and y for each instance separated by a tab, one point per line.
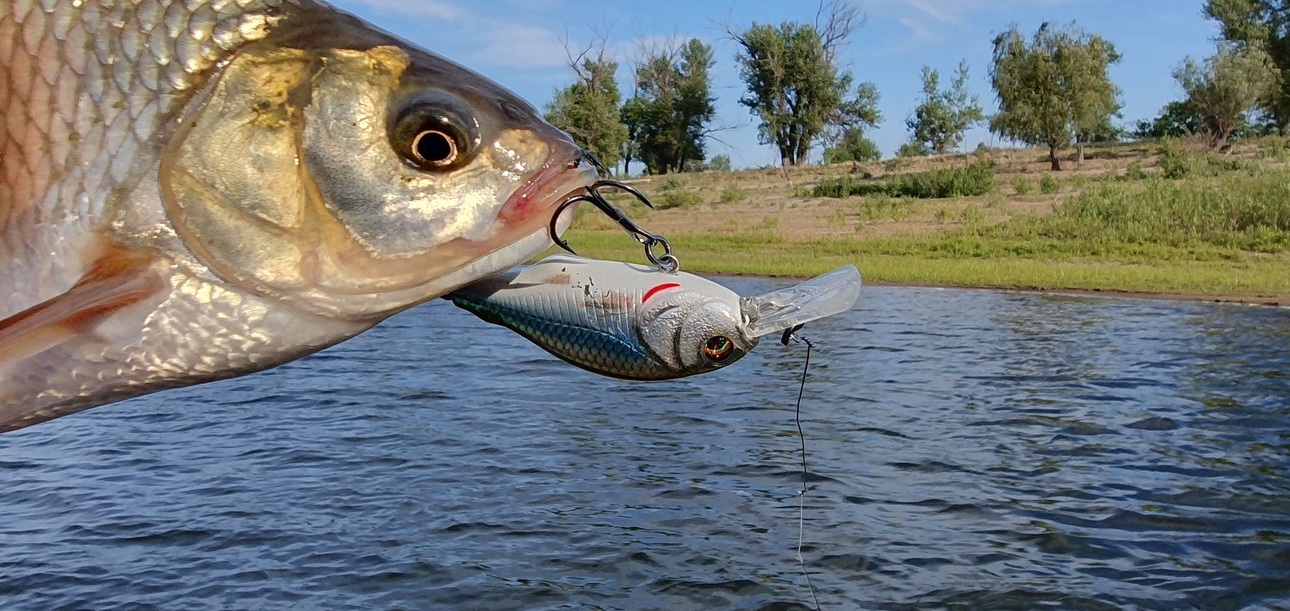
1135	171
671	183
1049	185
733	193
667	200
913	149
1274	147
1020	184
1173	161
1236	211
969	181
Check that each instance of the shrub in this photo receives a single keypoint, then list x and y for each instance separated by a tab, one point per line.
671	184
1173	161
1250	213
1274	147
733	193
1020	184
667	200
1135	171
1049	185
969	181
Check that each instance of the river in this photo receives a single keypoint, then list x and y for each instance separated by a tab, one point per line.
967	449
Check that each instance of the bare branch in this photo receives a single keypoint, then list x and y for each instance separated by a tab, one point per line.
593	52
836	21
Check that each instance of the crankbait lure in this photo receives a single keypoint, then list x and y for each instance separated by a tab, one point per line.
645	323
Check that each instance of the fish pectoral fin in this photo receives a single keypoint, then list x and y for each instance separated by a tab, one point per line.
116	280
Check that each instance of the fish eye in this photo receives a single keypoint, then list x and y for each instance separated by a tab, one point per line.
718	348
431	133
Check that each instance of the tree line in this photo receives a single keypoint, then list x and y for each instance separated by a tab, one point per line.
1052	88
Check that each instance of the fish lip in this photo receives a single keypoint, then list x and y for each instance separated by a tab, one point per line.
561	178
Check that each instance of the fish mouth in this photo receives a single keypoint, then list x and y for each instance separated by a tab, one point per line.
562	178
523	223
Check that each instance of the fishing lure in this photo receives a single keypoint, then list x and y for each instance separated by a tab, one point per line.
644	322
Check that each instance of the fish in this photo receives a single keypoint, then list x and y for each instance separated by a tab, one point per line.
195	190
640	322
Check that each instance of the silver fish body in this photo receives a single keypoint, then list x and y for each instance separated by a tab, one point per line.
616	319
199	189
644	323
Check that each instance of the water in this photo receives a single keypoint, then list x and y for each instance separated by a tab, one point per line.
970	449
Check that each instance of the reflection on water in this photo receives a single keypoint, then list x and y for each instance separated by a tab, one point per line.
969	449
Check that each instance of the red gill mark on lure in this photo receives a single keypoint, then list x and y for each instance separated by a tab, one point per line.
659	289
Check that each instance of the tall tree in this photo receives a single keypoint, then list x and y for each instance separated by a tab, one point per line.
588	108
1265	24
795	85
673	106
1053	88
943	117
1177	119
1227	87
632	115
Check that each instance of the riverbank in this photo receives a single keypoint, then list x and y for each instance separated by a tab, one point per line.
1141	219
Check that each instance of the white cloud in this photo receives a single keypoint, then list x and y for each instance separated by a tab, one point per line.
919	31
519	46
435	9
927	20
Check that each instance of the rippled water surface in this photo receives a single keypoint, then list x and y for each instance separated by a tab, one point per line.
969	449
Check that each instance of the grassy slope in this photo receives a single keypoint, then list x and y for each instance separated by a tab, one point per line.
1221	231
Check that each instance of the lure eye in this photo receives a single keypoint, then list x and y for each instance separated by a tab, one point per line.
718	348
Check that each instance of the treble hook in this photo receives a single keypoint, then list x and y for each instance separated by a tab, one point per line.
667	261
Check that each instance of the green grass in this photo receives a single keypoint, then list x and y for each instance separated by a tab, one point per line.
1220	227
963	261
1240	213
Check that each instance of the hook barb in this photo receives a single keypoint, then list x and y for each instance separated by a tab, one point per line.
666	261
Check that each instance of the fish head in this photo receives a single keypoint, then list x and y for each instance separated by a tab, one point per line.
351	175
693	325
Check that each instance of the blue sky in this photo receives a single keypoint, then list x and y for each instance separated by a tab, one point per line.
518	43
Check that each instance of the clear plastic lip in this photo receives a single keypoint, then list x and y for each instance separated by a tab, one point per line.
832	293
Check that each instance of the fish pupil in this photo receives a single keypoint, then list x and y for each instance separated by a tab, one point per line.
433	147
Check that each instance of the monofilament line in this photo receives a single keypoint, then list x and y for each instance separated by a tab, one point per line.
801	494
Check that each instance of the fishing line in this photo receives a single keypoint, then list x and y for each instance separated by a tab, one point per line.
790	335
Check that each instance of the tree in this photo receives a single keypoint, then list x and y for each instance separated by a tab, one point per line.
1054	88
588	109
1177	119
672	107
944	116
1227	87
632	115
913	149
795	86
1264	24
721	163
858	114
852	146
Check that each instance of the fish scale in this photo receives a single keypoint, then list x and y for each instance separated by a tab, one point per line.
180	207
90	90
